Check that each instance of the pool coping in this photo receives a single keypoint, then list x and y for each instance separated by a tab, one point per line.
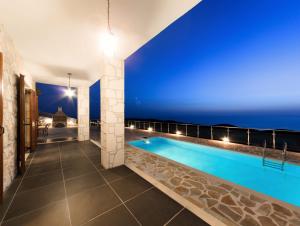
188	204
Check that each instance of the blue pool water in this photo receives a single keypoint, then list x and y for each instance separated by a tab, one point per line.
242	169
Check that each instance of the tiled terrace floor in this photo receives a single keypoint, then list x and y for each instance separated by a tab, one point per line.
65	185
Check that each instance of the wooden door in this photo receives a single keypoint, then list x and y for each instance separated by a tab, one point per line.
1	127
33	120
36	117
21	125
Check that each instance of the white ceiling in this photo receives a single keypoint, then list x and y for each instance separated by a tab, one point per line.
55	37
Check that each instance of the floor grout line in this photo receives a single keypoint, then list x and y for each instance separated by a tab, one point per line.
137	195
175	215
66	198
87	189
15	193
112	188
33	210
41	174
125	205
105	212
33	189
82	175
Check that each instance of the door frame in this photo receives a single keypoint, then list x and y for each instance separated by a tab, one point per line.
1	126
21	125
33	119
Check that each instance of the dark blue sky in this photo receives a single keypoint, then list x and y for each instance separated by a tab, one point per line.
51	97
95	101
228	61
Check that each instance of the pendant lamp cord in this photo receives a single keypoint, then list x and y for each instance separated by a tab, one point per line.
69	80
108	16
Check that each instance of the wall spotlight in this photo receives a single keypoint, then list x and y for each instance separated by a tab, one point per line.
225	139
150	129
131	126
178	132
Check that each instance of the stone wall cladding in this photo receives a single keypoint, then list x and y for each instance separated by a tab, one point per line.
83	113
12	68
112	113
230	203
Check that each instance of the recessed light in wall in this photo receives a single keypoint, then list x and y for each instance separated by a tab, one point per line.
225	139
178	132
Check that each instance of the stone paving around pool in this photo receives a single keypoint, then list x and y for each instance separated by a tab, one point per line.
229	203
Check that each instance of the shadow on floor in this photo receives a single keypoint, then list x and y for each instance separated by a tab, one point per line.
58	135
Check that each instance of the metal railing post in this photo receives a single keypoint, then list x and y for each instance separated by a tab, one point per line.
228	132
160	126
274	139
211	133
186	130
168	128
248	136
198	131
144	125
176	127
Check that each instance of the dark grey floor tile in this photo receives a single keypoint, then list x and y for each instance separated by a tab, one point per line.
153	207
41	180
74	159
70	146
116	173
47	147
76	162
130	186
186	218
8	196
79	170
87	181
95	159
45	168
71	155
116	217
34	199
88	204
53	214
91	150
45	159
45	152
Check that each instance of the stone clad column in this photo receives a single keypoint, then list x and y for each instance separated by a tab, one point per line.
83	113
112	113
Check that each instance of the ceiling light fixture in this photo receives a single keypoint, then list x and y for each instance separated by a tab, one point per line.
69	92
109	40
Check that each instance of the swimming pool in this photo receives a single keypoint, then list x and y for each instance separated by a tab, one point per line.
242	169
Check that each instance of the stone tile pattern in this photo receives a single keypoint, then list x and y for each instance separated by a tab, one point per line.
226	202
13	66
83	113
112	113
